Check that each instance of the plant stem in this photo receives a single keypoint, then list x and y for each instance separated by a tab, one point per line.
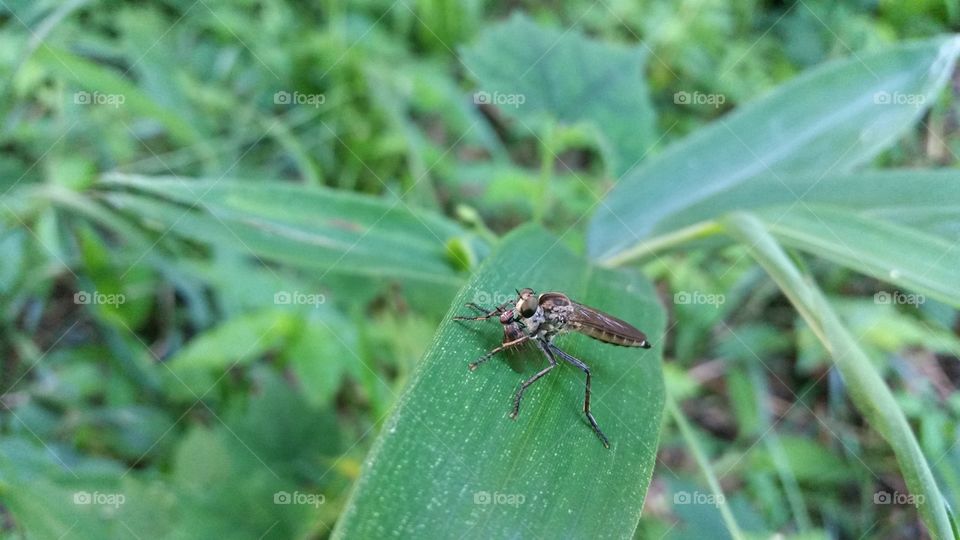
547	157
663	242
868	391
704	463
777	453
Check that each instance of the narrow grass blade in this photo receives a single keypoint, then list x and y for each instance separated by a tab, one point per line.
867	388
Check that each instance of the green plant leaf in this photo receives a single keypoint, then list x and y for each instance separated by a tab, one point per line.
304	226
449	446
93	78
564	76
910	258
199	365
867	389
830	119
924	199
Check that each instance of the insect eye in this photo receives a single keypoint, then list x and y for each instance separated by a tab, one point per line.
529	307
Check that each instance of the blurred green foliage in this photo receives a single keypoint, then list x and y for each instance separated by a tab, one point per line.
230	230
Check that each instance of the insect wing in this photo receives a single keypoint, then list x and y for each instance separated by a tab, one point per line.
606	328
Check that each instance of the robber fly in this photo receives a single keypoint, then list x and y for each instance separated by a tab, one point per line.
540	318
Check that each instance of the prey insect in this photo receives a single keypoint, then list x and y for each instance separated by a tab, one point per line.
540	318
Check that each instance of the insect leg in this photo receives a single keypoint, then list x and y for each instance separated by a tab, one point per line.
484	313
586	399
473	365
531	380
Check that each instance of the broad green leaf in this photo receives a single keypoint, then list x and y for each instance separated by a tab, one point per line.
867	389
307	227
925	199
451	463
889	252
533	73
829	120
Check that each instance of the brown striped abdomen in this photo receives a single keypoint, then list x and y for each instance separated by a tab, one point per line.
613	338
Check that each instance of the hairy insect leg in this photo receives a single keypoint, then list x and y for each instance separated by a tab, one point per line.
484	313
473	365
531	380
586	399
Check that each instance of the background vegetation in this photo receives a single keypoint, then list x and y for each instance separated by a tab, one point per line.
233	233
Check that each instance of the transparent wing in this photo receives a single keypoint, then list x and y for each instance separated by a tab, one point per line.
604	327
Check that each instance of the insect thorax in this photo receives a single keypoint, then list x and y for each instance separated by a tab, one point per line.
548	322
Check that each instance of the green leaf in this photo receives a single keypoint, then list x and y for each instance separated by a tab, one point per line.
98	80
307	227
319	356
867	389
533	73
924	199
239	340
889	252
829	120
450	462
809	461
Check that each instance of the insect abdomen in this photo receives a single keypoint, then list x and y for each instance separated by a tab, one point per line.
613	338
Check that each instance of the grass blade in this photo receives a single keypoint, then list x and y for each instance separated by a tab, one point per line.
831	119
867	388
307	227
450	463
886	251
704	463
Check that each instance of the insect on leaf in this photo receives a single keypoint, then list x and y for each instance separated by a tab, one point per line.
450	463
